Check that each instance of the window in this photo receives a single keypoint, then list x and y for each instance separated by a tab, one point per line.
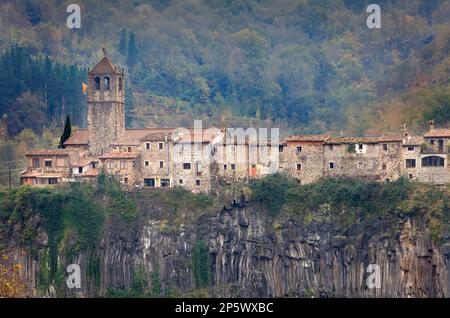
299	149
109	164
165	183
331	165
213	151
410	163
432	161
197	182
123	164
180	181
125	180
97	83
147	146
360	165
385	147
432	141
160	146
94	165
330	147
149	182
161	164
186	166
52	180
106	83
35	162
388	180
280	148
411	148
225	167
233	166
120	83
299	166
146	163
360	146
410	176
48	163
129	149
80	169
198	166
384	167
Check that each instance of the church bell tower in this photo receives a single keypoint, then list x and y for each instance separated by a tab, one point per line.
106	106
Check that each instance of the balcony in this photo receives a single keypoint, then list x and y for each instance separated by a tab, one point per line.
428	149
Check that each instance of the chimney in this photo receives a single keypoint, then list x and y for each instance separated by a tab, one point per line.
432	125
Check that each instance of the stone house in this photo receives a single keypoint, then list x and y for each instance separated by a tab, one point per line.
303	157
124	165
202	159
48	166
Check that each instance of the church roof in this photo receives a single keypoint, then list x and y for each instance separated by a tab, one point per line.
78	137
106	66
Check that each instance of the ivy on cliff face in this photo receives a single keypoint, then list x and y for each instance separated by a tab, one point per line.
201	260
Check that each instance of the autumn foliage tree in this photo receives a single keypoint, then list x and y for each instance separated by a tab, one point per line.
12	284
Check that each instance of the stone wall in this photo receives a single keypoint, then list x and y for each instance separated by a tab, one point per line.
310	157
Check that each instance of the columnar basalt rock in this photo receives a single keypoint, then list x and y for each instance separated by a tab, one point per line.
253	255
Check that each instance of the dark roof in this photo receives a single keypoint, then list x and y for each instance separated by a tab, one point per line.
353	140
310	138
106	66
157	136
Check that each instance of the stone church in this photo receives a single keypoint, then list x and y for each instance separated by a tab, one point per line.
201	159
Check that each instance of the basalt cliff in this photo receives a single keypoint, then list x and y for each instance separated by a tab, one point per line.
243	250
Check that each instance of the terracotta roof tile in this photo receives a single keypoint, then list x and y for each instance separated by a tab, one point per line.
91	173
413	141
443	132
392	138
106	66
308	138
60	152
353	140
84	162
78	137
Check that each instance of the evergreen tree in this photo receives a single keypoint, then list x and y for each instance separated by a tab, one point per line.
132	50
123	42
66	133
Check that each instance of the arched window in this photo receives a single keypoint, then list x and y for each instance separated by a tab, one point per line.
432	161
97	83
106	83
120	83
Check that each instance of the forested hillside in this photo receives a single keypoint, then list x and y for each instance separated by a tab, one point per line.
306	66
